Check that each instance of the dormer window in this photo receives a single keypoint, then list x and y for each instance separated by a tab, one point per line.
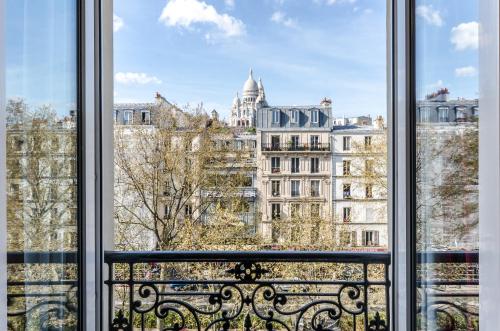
294	116
128	117
425	113
443	114
475	111
145	117
276	116
460	115
314	116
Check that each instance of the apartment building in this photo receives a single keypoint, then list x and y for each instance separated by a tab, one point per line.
293	163
359	180
41	186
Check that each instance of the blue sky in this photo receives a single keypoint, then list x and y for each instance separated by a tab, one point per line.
195	51
41	53
303	50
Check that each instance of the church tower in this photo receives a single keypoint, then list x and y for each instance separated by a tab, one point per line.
243	110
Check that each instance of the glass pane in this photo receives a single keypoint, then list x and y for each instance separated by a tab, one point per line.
41	90
446	117
254	107
213	121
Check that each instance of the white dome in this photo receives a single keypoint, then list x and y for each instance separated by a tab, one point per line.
250	84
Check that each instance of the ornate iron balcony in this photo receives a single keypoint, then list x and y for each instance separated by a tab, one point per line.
42	290
320	147
273	290
448	290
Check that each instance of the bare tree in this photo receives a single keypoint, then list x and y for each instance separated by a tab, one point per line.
170	176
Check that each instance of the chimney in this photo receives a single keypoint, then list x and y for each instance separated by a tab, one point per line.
326	102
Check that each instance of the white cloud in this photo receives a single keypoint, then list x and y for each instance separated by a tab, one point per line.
117	23
465	36
430	15
468	71
334	2
135	78
281	18
184	13
229	3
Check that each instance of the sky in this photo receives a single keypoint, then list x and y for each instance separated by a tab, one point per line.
194	51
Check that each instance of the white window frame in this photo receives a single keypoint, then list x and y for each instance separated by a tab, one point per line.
295	182
294	116
276	116
346	143
128	117
314	116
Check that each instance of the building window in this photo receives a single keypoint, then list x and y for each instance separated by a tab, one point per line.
346	189
275	188
116	116
368	141
425	114
443	114
145	117
275	143
347	143
346	167
369	167
314	116
294	143
314	142
294	116
475	111
276	116
315	184
315	210
275	164
166	212
295	165
314	165
370	238
275	211
348	238
346	214
128	117
188	211
295	210
460	114
369	191
295	188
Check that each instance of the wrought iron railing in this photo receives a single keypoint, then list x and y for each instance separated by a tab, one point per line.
290	147
448	290
42	291
267	290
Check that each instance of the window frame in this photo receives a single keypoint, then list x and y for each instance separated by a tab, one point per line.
295	168
346	143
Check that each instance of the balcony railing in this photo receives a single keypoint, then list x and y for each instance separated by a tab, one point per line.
320	147
448	290
250	290
42	290
181	290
